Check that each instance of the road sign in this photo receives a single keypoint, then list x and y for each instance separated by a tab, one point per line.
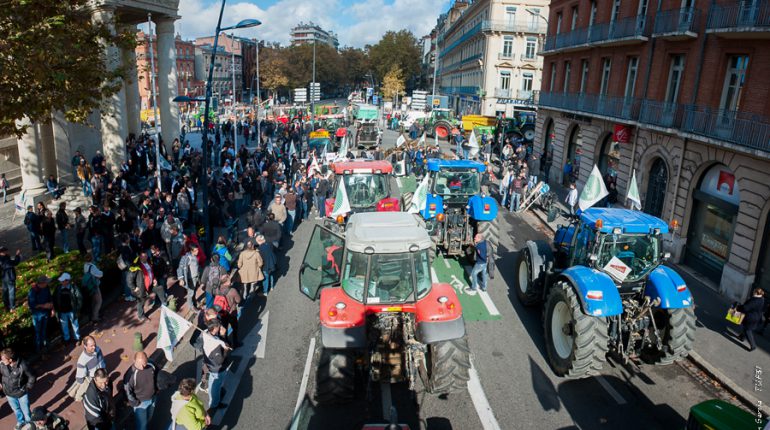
300	95
418	99
315	91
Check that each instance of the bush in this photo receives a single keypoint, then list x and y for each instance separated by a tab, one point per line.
16	327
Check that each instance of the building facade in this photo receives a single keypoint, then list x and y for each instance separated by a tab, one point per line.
222	81
308	33
245	59
677	92
185	66
487	55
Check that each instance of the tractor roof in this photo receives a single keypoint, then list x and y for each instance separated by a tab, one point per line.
435	164
385	233
629	221
363	166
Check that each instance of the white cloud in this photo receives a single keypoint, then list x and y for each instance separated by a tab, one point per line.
357	24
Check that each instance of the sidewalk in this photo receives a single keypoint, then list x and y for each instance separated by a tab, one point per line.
717	350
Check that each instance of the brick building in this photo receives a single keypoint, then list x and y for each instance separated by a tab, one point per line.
245	60
185	68
678	91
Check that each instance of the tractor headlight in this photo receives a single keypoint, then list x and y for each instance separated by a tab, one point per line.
340	306
443	299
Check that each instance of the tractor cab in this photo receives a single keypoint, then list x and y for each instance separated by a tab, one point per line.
455	180
367	185
320	141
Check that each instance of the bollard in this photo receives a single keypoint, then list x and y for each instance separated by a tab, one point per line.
138	346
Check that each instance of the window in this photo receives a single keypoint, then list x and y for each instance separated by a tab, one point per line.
633	64
584	76
553	77
592	19
567	67
574	18
531	48
734	80
558	23
507	46
615	11
510	15
534	16
606	65
526	81
642	15
505	79
674	78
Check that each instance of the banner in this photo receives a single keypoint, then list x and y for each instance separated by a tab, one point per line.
633	193
593	191
341	202
171	329
420	197
621	134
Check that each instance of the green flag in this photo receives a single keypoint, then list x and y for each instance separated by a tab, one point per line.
593	191
341	202
633	193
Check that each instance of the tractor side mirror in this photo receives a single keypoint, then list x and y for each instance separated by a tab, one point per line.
593	257
665	256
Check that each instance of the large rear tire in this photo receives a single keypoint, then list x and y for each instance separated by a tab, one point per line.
442	129
449	366
677	326
576	343
528	290
336	377
406	200
528	132
491	232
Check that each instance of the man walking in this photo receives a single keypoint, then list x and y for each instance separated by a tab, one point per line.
141	385
32	221
92	279
187	274
572	198
98	402
89	361
17	381
480	268
63	223
8	267
41	306
214	361
268	263
66	302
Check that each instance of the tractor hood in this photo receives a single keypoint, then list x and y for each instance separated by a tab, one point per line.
385	233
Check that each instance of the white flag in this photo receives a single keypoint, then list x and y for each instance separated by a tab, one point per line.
593	191
422	140
210	343
171	329
292	149
400	141
341	202
164	164
313	167
420	197
633	193
474	145
343	151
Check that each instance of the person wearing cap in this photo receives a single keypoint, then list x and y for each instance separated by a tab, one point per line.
67	301
8	272
41	306
16	379
44	420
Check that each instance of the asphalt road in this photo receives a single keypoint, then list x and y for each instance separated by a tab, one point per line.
514	389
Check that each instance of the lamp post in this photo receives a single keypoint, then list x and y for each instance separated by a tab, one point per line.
312	94
235	113
205	162
259	130
154	99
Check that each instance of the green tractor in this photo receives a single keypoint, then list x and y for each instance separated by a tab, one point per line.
440	123
719	415
520	127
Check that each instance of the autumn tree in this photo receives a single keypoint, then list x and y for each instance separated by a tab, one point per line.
52	58
396	49
393	83
272	70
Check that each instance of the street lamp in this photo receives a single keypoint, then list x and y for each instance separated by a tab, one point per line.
246	23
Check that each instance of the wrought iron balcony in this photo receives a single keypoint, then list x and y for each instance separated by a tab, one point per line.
573	40
505	56
504	93
625	108
527	58
514	26
739	20
739	128
624	31
676	24
662	114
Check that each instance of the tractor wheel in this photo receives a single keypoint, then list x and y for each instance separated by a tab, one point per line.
575	342
406	200
433	250
677	326
442	129
527	289
449	363
336	377
491	232
529	132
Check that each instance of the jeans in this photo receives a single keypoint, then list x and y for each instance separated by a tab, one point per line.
160	291
65	245
67	318
479	268
5	193
319	202
515	201
87	191
20	406
40	322
96	248
9	294
215	389
305	210
289	224
35	239
267	283
466	154
143	413
124	283
50	242
190	293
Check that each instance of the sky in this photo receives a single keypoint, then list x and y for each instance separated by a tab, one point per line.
356	22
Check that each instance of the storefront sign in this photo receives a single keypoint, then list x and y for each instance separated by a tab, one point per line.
720	182
621	134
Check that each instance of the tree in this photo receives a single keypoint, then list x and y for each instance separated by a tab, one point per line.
272	69
393	83
399	49
53	59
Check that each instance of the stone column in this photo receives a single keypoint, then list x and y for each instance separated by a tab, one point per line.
62	149
167	81
131	84
114	124
32	169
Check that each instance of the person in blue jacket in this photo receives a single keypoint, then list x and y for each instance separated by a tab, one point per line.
481	264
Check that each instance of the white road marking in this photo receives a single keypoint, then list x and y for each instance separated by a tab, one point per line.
434	277
231	379
490	305
480	402
398	181
305	374
386	400
613	393
446	263
261	346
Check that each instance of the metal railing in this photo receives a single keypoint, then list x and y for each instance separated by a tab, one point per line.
460	90
740	128
676	21
505	56
465	36
662	114
566	40
635	26
515	26
525	57
616	107
743	14
504	93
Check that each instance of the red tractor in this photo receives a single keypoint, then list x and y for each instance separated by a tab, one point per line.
367	184
382	317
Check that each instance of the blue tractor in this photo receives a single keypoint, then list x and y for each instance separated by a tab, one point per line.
456	208
605	290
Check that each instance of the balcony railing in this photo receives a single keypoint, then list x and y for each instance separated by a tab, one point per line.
465	36
514	27
460	90
525	57
566	40
626	28
503	93
740	128
505	56
676	21
662	114
745	14
616	107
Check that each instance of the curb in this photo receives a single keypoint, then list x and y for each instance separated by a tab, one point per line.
745	397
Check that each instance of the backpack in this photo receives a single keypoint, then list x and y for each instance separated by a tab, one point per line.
222	303
90	282
214	279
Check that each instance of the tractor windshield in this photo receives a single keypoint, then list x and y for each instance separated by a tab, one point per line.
628	257
456	182
366	189
441	114
392	278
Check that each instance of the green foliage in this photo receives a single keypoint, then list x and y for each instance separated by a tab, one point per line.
53	59
396	49
393	83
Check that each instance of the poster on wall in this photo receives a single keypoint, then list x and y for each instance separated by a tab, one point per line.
621	133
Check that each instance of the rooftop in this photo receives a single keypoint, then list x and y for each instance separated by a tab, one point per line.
385	233
630	221
435	164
